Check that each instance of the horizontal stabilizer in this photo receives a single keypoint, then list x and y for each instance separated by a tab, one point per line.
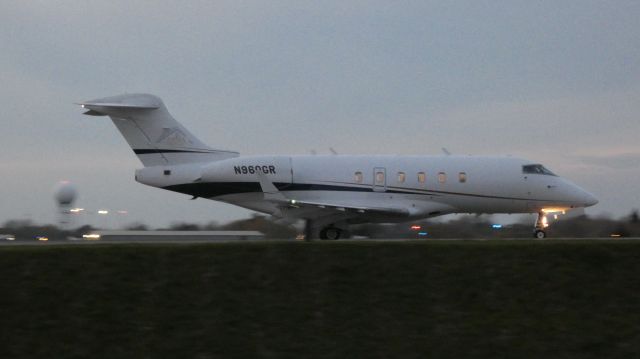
122	105
118	105
102	108
93	113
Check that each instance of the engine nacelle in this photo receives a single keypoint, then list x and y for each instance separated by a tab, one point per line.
163	176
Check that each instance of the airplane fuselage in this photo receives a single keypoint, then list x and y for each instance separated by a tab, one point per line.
426	186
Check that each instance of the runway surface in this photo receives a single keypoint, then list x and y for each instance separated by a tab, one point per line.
178	241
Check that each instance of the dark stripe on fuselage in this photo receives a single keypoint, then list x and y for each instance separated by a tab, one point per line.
215	189
209	190
392	189
160	151
440	193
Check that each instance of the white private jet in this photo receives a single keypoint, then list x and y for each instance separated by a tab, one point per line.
331	192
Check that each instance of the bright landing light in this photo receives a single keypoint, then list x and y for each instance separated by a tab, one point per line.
554	210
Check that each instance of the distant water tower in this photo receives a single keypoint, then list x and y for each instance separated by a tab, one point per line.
65	195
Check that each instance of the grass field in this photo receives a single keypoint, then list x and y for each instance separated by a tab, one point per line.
516	299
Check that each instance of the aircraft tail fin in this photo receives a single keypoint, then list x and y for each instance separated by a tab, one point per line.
153	134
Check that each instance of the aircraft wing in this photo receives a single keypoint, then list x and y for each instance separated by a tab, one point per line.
395	211
312	208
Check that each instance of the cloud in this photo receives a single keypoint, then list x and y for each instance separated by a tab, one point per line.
284	77
622	161
548	126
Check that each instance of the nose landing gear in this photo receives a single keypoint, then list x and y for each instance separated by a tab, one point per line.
541	224
539	233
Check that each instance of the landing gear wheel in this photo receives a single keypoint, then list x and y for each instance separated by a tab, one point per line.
331	233
541	224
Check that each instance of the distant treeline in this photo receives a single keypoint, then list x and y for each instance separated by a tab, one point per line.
463	227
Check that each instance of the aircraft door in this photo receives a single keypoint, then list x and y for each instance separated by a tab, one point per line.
379	179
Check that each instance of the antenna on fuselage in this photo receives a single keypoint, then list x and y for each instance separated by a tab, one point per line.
446	152
333	152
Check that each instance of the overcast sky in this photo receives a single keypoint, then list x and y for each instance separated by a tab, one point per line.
554	81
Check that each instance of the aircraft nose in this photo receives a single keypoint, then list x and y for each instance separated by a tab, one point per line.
584	198
579	197
589	199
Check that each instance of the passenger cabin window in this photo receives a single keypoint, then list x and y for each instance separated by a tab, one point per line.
380	178
462	177
442	177
422	177
401	177
536	169
358	177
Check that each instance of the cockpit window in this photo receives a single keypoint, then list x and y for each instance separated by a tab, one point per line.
537	169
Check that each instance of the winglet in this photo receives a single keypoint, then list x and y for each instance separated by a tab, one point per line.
269	190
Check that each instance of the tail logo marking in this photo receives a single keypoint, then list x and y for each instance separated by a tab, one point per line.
173	137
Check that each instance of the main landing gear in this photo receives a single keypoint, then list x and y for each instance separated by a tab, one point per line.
331	233
541	224
328	232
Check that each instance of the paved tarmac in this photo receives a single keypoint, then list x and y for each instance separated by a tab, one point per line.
178	241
